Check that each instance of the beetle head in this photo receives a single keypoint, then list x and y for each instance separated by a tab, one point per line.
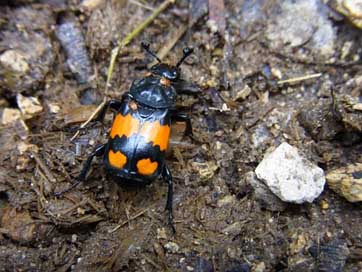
169	72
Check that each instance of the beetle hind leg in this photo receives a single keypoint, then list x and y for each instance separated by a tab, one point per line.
98	151
166	175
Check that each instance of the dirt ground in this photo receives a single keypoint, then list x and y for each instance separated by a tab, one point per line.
60	53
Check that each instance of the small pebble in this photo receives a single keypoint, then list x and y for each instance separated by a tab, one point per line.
161	233
324	205
172	247
347	181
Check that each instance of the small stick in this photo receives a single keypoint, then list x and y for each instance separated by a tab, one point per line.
92	218
97	110
141	5
296	79
81	203
114	55
148	259
93	205
45	169
128	220
127	215
170	44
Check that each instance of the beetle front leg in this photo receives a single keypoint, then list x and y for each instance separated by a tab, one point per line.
182	117
166	175
98	151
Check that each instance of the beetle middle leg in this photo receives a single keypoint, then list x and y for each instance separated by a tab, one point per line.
98	151
166	175
182	117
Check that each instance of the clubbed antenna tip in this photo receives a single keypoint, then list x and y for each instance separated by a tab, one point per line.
187	52
146	46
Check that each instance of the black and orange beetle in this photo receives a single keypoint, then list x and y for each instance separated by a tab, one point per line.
138	139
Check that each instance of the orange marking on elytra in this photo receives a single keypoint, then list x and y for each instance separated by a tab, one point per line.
117	159
124	125
146	167
154	132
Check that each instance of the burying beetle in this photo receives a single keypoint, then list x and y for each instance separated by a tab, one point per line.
135	151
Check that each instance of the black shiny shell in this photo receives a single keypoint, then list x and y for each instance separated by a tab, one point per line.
165	70
150	92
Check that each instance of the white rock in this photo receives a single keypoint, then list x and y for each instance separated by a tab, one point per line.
290	176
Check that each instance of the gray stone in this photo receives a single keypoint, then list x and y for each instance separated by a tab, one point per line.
302	23
290	176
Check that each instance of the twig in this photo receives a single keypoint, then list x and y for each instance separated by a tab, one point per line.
114	55
63	212
94	206
148	259
296	79
98	109
141	5
39	191
130	219
170	44
92	218
42	165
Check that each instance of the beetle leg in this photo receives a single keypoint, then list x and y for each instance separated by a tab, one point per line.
187	88
166	174
98	151
182	117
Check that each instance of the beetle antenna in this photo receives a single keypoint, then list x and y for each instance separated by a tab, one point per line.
146	46
187	52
